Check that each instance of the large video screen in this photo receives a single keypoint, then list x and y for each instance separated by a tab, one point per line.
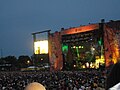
41	47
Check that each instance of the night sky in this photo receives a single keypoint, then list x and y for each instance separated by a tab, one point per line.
20	18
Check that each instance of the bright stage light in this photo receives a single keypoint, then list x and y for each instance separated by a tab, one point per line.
41	47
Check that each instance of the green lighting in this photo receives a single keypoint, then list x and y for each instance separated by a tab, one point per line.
64	48
77	52
100	42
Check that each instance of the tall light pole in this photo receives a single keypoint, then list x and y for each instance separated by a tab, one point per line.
1	52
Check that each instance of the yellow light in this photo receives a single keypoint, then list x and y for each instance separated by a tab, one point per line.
41	59
79	46
87	64
74	65
74	46
28	61
41	47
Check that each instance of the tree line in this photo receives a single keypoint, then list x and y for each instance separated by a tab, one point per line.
12	63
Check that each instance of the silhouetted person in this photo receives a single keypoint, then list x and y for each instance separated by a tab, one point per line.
113	78
35	86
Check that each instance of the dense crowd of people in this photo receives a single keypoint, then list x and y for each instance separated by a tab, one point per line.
60	80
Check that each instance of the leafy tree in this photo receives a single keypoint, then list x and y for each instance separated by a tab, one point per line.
24	61
9	61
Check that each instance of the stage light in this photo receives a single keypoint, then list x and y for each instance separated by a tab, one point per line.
65	48
100	41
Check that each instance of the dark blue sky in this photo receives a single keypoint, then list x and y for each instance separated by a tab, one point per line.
19	18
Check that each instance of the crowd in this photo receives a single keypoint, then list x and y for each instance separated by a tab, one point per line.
60	80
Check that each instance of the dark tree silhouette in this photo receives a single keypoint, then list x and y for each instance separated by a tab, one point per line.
9	63
24	61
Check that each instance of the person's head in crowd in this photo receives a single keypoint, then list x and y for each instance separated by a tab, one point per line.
35	86
113	77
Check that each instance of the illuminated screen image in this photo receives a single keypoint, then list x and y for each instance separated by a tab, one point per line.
41	47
